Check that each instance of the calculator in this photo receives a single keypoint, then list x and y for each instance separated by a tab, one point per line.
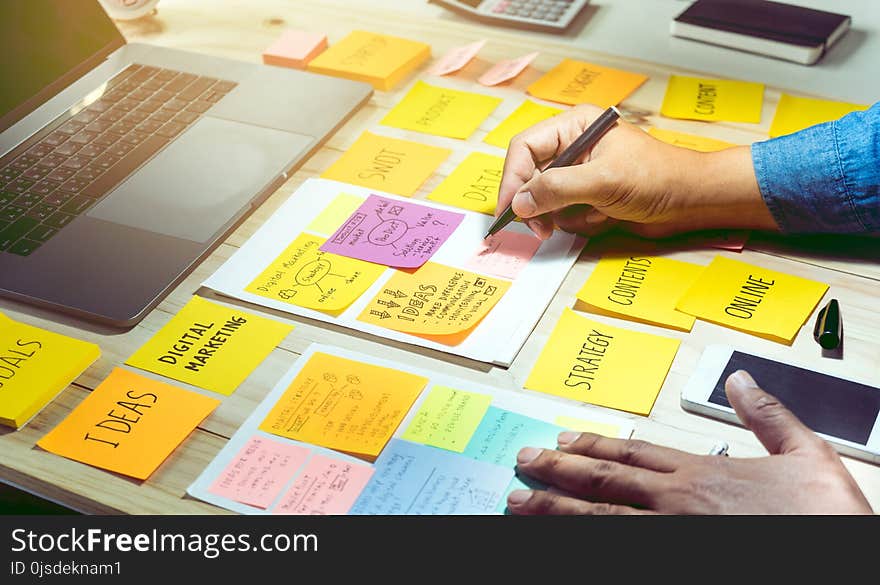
543	15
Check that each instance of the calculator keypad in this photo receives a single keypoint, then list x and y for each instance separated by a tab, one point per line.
548	10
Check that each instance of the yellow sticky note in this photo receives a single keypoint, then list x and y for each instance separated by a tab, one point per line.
770	304
210	346
587	426
335	214
700	143
435	301
441	111
693	98
381	60
447	418
35	365
643	288
592	362
473	184
129	424
575	82
304	276
796	113
525	116
388	164
344	404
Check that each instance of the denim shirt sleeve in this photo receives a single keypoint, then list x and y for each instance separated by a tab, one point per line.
826	178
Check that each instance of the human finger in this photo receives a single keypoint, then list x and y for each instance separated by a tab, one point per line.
539	502
631	452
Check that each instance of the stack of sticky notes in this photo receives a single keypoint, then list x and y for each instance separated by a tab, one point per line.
295	48
35	365
381	60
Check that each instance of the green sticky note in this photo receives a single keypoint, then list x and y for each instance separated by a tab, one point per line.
447	418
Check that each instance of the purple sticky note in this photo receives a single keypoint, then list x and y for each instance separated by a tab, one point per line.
396	233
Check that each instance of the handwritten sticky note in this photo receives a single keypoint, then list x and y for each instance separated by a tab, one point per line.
750	298
693	98
381	60
447	418
35	365
414	479
327	486
260	470
456	59
210	346
593	362
395	233
441	111
304	276
387	164
473	184
329	220
699	143
436	300
504	254
796	113
295	48
575	82
643	288
129	424
587	426
506	70
343	404
525	116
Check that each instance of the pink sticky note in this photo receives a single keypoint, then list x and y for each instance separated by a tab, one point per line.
326	486
504	254
506	70
295	48
456	59
395	233
259	472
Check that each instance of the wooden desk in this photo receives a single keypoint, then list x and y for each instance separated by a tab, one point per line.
240	30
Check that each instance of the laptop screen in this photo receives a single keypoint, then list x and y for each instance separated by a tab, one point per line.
46	45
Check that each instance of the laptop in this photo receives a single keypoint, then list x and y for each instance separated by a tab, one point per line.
123	165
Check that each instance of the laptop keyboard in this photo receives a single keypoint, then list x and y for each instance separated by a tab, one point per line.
70	164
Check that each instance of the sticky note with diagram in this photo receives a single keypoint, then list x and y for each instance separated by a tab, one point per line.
576	82
711	100
796	113
767	303
525	116
473	184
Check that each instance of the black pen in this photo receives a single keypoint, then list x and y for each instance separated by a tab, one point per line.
828	331
575	150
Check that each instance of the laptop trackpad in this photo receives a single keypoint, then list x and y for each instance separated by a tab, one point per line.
201	180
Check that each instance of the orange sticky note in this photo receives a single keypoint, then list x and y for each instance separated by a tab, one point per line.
456	59
129	424
295	48
575	82
506	70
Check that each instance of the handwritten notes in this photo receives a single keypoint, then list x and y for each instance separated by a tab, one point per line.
504	254
447	418
693	98
305	276
796	113
387	164
699	143
506	70
415	479
381	60
525	116
441	111
128	424
395	233
210	346
473	184
344	404
767	303
575	82
604	365
436	300
260	470
327	486
456	59
644	288
35	365
329	220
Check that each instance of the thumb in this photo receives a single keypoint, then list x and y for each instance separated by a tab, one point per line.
778	429
555	189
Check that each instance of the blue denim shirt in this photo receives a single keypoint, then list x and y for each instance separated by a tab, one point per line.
826	178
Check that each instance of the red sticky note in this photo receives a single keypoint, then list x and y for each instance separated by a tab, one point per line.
506	70
504	254
456	59
326	486
295	48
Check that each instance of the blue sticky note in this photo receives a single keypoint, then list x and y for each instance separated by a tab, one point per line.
417	479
